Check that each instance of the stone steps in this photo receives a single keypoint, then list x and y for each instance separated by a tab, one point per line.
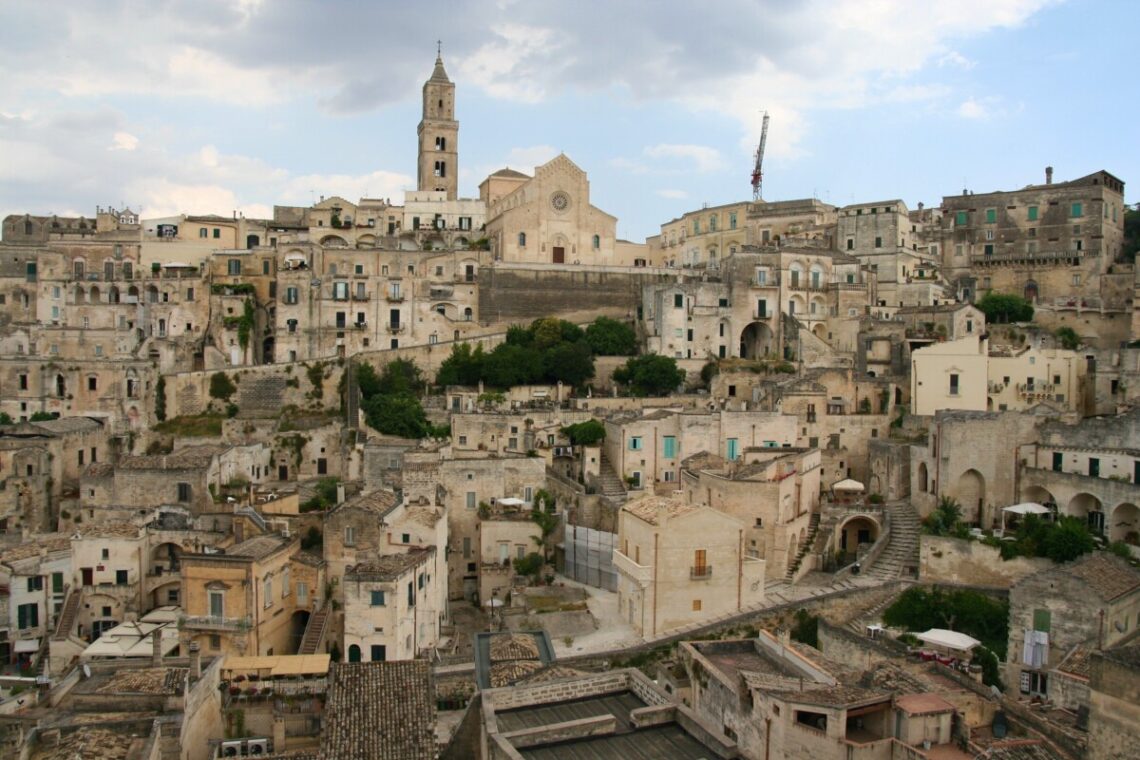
901	554
314	632
805	547
66	622
261	397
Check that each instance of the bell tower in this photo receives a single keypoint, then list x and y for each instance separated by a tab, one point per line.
438	132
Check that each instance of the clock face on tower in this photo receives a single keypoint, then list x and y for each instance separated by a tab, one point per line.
560	201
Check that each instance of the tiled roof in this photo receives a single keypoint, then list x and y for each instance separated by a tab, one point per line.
52	542
99	470
258	547
189	458
514	646
70	425
425	516
833	696
169	681
651	508
1076	663
506	673
380	711
1110	577
379	502
114	529
90	743
388	567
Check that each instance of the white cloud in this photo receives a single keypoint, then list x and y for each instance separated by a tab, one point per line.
124	141
673	194
500	66
954	59
526	159
704	158
973	109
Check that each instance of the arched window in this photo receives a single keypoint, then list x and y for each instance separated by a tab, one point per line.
522	240
354	653
597	242
60	386
80	268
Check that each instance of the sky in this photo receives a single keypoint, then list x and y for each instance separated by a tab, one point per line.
217	106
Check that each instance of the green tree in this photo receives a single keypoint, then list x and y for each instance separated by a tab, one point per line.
1005	307
570	363
41	417
463	367
5	418
367	380
650	375
530	565
547	523
402	376
806	629
1068	338
609	337
519	335
945	518
221	386
585	433
509	365
160	399
1068	540
397	414
1131	233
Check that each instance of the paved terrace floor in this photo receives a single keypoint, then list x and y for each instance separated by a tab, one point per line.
668	741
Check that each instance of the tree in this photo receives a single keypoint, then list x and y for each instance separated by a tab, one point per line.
1068	338
1131	233
547	523
160	399
609	337
1068	540
1005	307
5	418
945	518
221	386
397	414
402	376
650	375
530	565
519	335
585	433
569	363
463	367
367	380
509	365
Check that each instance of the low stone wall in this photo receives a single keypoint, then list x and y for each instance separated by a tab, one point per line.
597	725
943	559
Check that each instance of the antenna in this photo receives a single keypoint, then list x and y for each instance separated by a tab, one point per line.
757	170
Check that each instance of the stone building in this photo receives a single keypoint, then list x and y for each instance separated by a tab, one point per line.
1114	703
506	532
438	164
34	575
390	610
1092	602
549	219
1051	243
884	236
680	563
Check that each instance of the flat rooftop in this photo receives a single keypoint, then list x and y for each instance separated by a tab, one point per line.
619	704
668	741
735	657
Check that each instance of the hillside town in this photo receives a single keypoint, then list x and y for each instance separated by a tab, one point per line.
444	477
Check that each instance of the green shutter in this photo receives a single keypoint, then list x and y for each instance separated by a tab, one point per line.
1041	620
670	447
57	583
962	219
991	215
1076	210
1033	213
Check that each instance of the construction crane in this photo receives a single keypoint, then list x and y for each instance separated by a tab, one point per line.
757	171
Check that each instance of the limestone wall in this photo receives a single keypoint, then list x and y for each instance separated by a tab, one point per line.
953	560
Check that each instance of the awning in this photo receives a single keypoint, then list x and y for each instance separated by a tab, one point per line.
1027	508
847	485
27	645
510	501
179	265
940	637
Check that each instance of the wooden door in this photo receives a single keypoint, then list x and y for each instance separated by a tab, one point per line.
559	255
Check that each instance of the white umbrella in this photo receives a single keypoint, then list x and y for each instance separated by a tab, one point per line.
1025	508
940	637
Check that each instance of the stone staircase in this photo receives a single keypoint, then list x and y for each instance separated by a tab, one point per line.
261	397
805	547
65	625
314	631
613	487
900	558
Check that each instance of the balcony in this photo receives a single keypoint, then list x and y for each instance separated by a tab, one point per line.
394	297
702	573
360	295
360	325
212	623
762	314
1038	257
395	328
642	574
812	286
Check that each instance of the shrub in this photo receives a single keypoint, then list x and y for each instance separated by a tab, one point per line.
585	433
221	386
650	375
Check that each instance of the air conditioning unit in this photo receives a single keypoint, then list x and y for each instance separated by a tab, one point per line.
258	747
230	749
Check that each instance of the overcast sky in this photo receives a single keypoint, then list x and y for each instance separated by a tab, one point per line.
211	106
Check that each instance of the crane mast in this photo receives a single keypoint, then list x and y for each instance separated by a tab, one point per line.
757	170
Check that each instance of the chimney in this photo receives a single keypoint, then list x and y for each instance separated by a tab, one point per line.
921	205
195	661
1048	175
156	647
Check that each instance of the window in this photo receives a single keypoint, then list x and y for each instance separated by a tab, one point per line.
217	233
850	244
678	301
120	577
183	492
471	500
350	536
696	605
961	218
1032	213
379	653
441	168
267	592
991	215
28	616
411	594
377	599
953	384
217	604
291	295
203	232
302	593
878	244
1076	211
522	240
35	583
233	267
732	220
406	538
597	242
340	291
93	383
635	443
731	449
696	226
1076	279
440	143
23	382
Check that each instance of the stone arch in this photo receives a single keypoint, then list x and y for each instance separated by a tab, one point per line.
817	277
334	241
1038	494
797	305
94	296
820	331
854	530
1082	504
113	294
133	292
818	307
152	294
757	340
80	294
796	274
354	653
366	241
923	478
1125	524
972	495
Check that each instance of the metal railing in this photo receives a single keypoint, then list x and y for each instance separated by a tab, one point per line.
701	572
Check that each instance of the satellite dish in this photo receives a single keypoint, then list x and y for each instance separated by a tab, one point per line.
86	670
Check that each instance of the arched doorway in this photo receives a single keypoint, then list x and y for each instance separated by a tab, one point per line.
820	331
354	653
972	495
1087	506
856	530
1039	495
1031	291
1125	524
756	341
252	241
923	485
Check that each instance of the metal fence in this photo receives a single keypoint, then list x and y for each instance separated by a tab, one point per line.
589	556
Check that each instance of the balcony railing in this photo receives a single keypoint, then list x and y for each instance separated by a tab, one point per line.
394	297
700	573
761	314
211	623
360	296
395	327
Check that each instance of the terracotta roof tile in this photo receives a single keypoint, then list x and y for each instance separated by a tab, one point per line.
380	711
